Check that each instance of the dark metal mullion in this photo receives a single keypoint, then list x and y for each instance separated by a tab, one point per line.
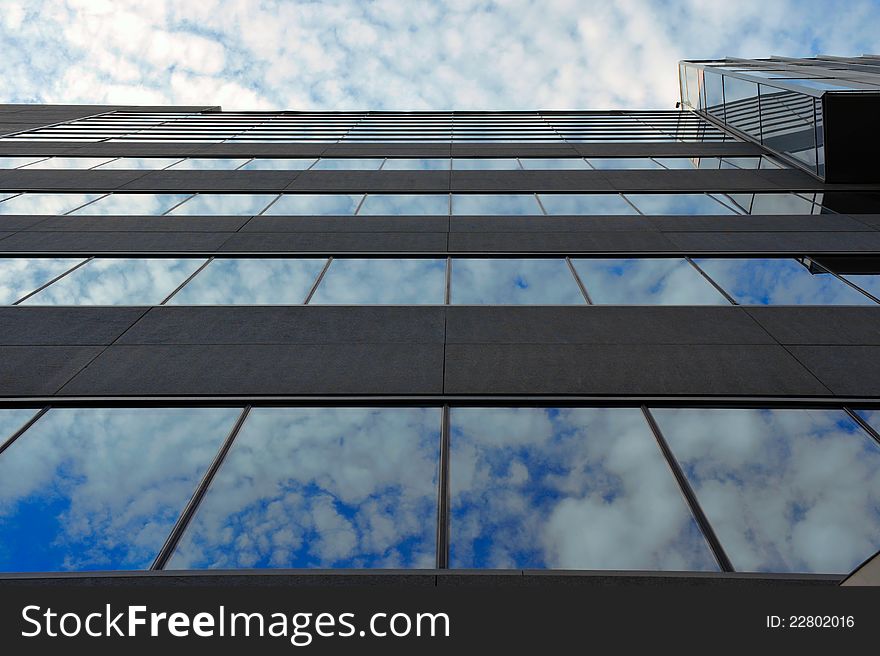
631	204
579	282
192	505
540	204
705	275
54	280
318	281
188	278
864	425
360	204
79	207
443	493
30	422
689	496
447	294
174	207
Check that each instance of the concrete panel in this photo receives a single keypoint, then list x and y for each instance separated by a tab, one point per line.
263	369
845	370
600	324
626	369
65	326
40	370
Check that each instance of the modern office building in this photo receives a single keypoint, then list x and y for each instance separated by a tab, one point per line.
579	346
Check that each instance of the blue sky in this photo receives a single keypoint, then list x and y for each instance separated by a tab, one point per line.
401	54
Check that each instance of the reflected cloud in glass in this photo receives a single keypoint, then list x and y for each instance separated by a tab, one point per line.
484	164
548	163
315	205
224	205
232	281
785	490
122	204
566	489
100	489
37	203
402	204
649	281
623	163
674	204
502	281
778	281
124	281
379	281
494	204
775	204
416	164
11	420
348	164
596	204
68	163
16	162
22	275
140	163
322	487
208	164
274	164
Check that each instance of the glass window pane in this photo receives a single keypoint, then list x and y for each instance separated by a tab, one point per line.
140	163
399	204
15	162
682	163
595	204
208	164
224	205
778	281
484	164
273	164
348	164
100	489
37	203
714	96
785	490
501	281
271	281
122	204
22	275
11	420
678	204
870	282
565	488
493	204
740	162
775	204
649	281
315	205
741	105
380	281
108	281
416	164
621	163
69	163
322	487
539	163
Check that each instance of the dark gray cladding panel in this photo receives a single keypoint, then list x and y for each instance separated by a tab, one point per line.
626	369
10	128
263	369
112	242
333	242
345	224
41	370
16	222
376	181
513	150
781	242
551	224
84	223
845	370
668	149
700	180
251	181
599	324
145	149
263	149
25	148
820	325
388	149
560	242
760	223
525	181
288	325
65	326
70	179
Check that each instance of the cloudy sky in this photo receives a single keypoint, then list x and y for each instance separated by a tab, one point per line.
400	54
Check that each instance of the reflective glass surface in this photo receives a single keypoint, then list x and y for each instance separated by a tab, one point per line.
539	163
565	488
15	162
109	281
315	204
785	490
500	281
648	281
484	163
712	83
675	204
224	205
331	487
100	489
209	164
775	204
741	105
682	163
68	163
870	282
494	204
273	164
121	204
596	204
379	281
12	419
621	163
37	203
140	163
401	204
778	281
234	281
348	164
22	275
416	164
